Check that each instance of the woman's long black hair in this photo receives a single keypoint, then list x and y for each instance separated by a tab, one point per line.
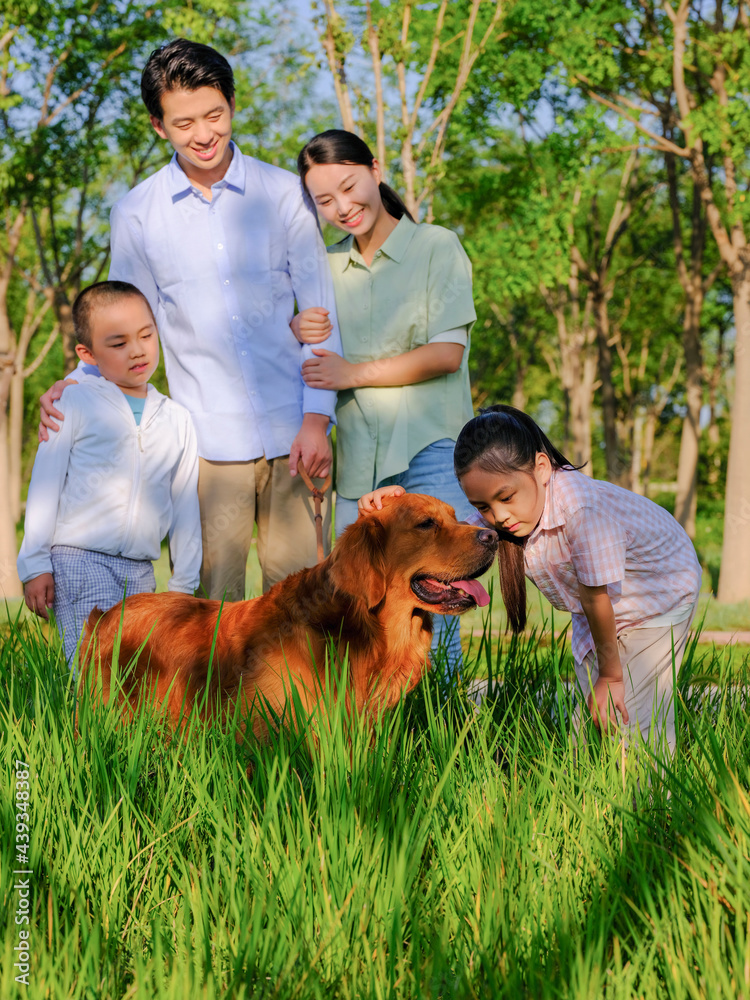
339	146
503	439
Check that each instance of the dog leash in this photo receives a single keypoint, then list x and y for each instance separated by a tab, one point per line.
318	496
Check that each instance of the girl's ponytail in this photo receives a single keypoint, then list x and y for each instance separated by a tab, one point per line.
393	203
512	571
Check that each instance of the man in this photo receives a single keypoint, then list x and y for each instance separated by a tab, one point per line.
222	245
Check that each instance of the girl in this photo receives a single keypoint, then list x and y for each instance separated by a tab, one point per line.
405	309
621	565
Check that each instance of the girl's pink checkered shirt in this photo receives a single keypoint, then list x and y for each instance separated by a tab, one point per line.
595	533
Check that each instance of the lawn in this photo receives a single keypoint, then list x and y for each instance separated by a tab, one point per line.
449	852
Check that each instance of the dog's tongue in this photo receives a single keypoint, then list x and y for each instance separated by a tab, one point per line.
474	589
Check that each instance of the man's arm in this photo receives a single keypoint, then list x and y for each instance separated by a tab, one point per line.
312	285
128	261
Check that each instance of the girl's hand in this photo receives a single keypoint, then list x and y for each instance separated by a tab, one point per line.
311	326
607	697
374	501
39	594
328	370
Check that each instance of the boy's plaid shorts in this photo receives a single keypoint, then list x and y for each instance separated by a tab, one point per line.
85	580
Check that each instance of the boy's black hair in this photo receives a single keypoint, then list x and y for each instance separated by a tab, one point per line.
103	293
339	146
184	65
502	440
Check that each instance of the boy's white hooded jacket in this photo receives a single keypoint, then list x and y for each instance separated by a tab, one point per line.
105	484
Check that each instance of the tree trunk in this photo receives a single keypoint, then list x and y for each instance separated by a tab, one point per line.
636	460
64	314
10	585
713	433
734	576
649	437
15	441
577	367
687	470
581	394
577	375
609	401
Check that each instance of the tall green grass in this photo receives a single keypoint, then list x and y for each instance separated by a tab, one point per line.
449	850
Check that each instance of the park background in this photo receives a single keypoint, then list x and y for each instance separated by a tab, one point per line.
593	158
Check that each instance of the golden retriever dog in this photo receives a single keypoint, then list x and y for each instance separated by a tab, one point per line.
372	598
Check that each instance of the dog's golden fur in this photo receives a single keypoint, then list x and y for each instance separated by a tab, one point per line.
361	599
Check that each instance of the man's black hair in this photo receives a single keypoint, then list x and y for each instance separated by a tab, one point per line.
184	65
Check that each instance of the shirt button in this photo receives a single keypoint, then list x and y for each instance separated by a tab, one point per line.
364	340
234	317
244	355
227	281
377	253
219	246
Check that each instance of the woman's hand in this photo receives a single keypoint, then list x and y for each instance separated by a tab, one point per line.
374	501
39	594
607	698
328	370
311	326
47	408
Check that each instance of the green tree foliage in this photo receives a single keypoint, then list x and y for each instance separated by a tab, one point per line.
69	75
604	217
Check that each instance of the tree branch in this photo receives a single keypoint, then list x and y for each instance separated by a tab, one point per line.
662	144
373	42
336	66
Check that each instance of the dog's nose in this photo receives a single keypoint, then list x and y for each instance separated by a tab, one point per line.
488	537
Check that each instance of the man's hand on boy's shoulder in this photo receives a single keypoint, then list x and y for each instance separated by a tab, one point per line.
39	594
47	409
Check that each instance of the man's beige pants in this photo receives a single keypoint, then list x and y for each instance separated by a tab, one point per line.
646	655
234	496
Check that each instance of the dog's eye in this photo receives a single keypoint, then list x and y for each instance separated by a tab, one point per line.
429	523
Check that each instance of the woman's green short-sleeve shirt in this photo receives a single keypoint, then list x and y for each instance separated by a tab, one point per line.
418	287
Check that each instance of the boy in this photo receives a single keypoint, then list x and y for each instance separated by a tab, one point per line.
121	474
222	245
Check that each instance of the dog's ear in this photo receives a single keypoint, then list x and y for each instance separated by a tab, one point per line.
358	561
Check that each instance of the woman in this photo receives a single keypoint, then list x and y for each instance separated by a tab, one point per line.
405	309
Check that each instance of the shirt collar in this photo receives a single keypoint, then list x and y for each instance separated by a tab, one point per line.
394	247
179	182
398	241
552	515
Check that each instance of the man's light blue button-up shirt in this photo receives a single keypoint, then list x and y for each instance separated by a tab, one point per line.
222	277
